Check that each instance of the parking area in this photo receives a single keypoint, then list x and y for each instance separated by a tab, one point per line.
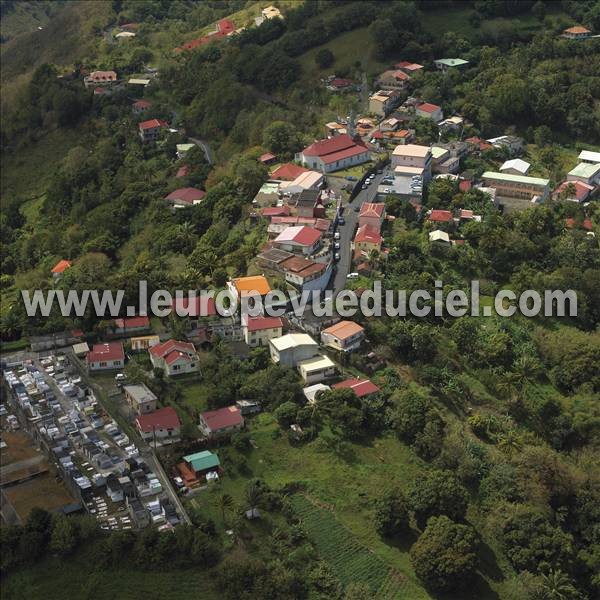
96	460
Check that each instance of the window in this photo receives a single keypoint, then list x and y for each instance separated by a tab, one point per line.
102	364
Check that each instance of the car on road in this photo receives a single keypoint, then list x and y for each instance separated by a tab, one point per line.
336	235
379	171
336	256
341	221
336	245
357	208
364	187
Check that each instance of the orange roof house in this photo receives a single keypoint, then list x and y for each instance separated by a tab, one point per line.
244	286
345	336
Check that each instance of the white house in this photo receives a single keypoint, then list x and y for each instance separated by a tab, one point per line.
292	348
175	357
439	236
140	398
413	155
586	173
516	166
316	369
587	156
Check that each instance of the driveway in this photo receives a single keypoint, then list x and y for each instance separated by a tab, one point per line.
347	234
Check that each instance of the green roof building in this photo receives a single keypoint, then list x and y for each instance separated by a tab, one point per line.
202	461
443	64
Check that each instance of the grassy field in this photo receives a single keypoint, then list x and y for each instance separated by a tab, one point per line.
349	49
439	22
26	172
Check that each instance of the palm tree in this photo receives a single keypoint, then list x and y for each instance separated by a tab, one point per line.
526	370
187	236
224	503
510	442
557	586
373	259
254	496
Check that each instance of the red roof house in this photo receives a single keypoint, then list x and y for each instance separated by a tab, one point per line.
334	153
440	216
339	83
132	324
105	356
581	190
150	130
372	214
287	172
361	387
141	106
299	238
174	357
162	424
367	238
60	267
408	66
224	28
276	211
259	330
223	421
429	111
585	224
185	196
267	158
260	323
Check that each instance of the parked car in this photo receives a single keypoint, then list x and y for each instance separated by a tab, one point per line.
350	178
336	235
357	208
379	171
336	256
341	221
336	245
352	276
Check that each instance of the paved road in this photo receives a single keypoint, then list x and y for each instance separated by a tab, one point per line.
347	234
207	151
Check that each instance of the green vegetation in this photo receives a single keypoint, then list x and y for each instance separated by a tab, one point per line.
476	460
351	562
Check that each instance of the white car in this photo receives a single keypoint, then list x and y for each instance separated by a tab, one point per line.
336	245
336	256
336	235
352	276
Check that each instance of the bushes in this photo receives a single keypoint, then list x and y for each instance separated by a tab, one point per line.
444	557
391	514
438	493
